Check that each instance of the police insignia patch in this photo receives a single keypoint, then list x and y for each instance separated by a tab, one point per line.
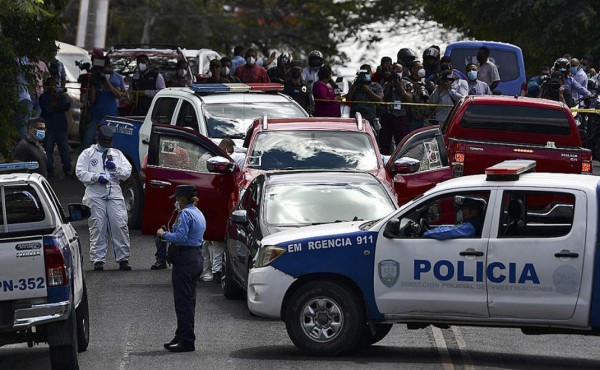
94	161
389	272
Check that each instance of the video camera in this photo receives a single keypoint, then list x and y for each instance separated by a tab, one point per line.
363	77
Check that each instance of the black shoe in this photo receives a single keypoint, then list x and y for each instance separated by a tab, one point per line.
173	342
158	265
124	265
180	347
98	266
217	277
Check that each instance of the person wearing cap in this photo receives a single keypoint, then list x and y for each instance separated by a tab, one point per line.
473	216
186	241
100	168
446	95
145	83
295	87
103	98
216	77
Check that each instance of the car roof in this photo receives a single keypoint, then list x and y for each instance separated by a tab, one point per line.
313	123
231	97
515	100
319	177
535	179
7	178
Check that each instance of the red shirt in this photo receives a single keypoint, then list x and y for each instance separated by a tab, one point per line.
252	74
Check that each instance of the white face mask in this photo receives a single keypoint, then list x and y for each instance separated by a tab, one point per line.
181	72
177	207
107	76
224	71
142	67
251	60
421	73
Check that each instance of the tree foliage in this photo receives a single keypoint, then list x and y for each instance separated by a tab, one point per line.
28	28
544	29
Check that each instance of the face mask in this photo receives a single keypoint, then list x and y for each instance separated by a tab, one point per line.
181	72
142	67
107	76
40	135
295	73
251	60
100	148
177	207
573	70
224	71
421	73
472	75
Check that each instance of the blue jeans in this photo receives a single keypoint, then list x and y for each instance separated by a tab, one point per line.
161	250
60	139
22	117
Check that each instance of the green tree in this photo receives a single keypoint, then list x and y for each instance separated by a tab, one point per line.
28	28
544	29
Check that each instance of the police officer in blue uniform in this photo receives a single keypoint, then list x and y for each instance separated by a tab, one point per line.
473	216
185	255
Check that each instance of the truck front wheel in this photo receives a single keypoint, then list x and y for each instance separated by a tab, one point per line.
325	318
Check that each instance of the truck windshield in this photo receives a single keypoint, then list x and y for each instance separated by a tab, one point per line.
312	150
233	119
299	204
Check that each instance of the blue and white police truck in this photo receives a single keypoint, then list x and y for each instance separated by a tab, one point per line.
43	297
532	263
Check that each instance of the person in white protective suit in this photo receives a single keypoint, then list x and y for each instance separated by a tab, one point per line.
100	168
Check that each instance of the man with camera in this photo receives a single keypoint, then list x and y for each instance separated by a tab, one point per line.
445	95
364	96
394	115
419	95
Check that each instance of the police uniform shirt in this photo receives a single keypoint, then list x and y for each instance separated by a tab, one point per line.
188	229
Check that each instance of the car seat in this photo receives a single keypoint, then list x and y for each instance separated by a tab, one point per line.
515	224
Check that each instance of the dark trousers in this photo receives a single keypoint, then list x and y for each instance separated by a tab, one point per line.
185	276
161	249
60	139
395	127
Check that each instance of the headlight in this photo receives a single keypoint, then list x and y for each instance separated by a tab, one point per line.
268	254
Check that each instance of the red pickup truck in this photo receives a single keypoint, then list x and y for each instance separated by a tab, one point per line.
482	131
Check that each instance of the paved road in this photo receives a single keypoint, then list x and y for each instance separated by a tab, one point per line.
132	315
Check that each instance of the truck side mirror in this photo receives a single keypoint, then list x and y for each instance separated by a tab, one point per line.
392	229
220	164
406	165
78	212
239	216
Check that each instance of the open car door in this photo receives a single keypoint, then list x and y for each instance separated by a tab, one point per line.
419	162
180	156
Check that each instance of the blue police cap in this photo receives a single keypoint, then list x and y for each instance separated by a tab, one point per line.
184	191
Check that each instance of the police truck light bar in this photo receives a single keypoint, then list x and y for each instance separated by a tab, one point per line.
509	170
236	87
18	166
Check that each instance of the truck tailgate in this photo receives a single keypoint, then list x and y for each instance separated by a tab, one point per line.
22	268
481	155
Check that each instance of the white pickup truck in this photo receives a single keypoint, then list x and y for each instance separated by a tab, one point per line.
43	297
529	259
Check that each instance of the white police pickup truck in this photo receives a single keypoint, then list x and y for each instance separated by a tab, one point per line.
532	263
43	296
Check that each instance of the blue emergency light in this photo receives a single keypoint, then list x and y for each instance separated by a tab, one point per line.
18	166
235	87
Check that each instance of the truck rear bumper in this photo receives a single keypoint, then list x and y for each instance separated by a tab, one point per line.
41	314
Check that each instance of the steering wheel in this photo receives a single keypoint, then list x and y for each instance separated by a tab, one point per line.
424	224
415	229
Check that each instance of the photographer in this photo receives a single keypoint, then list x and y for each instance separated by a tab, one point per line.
365	92
445	94
418	94
394	117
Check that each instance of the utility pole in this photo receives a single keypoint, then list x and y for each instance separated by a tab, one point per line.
92	23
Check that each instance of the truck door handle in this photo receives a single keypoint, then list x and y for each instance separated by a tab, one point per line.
73	239
145	142
471	253
566	254
160	184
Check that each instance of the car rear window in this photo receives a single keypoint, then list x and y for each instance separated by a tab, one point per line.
532	120
22	205
506	61
233	119
312	150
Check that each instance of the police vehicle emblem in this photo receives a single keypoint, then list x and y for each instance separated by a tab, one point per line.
389	272
94	161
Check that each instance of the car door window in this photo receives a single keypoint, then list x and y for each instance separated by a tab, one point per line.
536	214
187	116
163	110
184	154
427	152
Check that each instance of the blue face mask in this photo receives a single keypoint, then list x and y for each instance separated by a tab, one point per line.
574	70
40	135
472	75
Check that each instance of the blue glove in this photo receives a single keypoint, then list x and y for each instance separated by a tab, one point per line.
102	180
110	165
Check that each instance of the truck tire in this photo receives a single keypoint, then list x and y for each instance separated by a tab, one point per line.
83	323
64	357
132	192
325	318
231	290
367	339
